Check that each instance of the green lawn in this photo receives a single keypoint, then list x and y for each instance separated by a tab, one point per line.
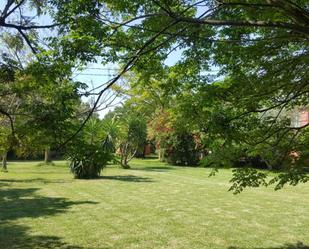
151	205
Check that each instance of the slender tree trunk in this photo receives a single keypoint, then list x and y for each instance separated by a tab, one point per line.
124	163
161	154
122	160
4	161
126	166
124	157
46	155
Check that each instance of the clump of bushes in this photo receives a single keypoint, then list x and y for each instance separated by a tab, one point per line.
182	150
91	151
88	160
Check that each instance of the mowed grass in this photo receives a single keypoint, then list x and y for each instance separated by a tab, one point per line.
152	205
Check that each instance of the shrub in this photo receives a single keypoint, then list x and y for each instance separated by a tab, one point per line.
182	150
250	161
224	156
88	160
235	156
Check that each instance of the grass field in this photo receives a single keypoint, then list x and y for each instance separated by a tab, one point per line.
151	205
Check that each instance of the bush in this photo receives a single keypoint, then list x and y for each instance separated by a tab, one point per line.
234	156
88	160
224	156
251	161
182	150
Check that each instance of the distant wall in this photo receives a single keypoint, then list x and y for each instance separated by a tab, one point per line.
303	117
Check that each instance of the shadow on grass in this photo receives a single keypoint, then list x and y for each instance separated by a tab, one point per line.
25	203
155	168
35	180
3	184
127	178
20	203
17	237
298	245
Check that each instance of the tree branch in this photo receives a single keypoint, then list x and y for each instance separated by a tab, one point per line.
10	119
21	27
27	41
12	10
6	8
250	23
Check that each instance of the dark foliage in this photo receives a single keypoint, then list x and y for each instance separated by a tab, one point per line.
182	150
251	161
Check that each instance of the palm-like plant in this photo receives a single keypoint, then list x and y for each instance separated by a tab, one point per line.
94	149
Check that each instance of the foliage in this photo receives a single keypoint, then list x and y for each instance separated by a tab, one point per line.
39	104
135	134
5	141
248	177
88	160
182	149
91	151
224	156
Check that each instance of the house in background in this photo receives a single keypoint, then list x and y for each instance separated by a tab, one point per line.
300	117
304	117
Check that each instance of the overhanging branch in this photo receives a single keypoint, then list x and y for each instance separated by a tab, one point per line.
250	23
3	112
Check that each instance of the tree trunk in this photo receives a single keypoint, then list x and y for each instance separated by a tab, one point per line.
161	154
124	157
4	162
124	162
46	155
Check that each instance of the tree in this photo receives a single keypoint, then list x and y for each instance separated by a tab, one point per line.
129	129
52	105
151	98
26	91
9	103
4	144
38	105
135	133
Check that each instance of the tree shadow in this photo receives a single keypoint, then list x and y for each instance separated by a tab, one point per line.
2	184
25	203
127	178
20	203
35	180
17	237
298	245
155	168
